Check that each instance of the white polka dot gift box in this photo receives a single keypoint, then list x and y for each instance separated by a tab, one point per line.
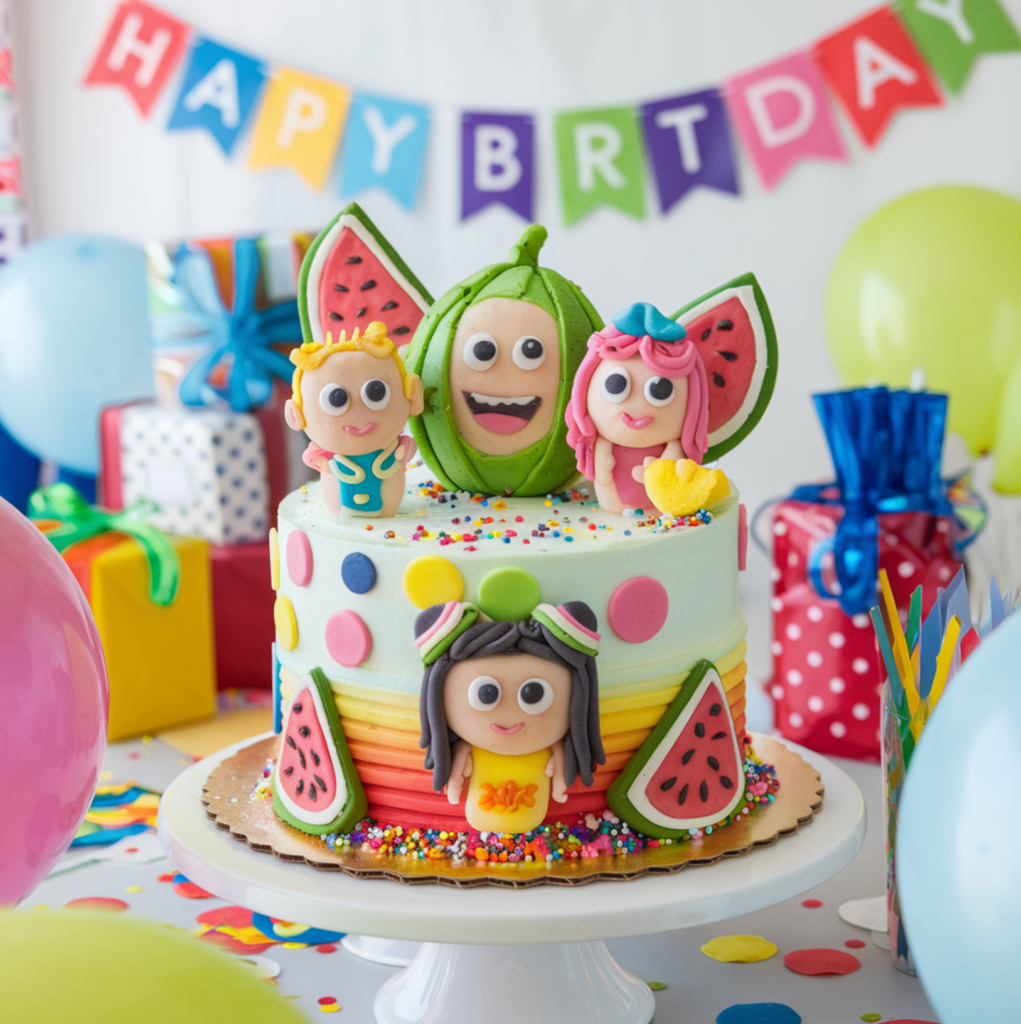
827	671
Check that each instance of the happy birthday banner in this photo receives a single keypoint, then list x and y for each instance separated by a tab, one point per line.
780	113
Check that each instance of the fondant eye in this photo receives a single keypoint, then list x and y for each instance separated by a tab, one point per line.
535	696
376	394
484	693
529	353
659	391
480	351
616	386
334	399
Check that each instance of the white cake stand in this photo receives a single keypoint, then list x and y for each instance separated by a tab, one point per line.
517	953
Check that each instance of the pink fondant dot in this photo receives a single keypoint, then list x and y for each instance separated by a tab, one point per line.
638	609
347	638
299	558
742	537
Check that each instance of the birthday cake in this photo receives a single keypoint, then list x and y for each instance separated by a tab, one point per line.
514	635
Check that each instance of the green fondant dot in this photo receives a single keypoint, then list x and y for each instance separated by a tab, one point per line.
509	594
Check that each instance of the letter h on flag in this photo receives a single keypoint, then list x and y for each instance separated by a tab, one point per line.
496	162
139	52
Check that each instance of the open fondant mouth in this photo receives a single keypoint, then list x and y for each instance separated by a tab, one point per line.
506	730
636	424
502	415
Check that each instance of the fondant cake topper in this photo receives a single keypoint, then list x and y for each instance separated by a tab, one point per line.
353	397
511	707
497	355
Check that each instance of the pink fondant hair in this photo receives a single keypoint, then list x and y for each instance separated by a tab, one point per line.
668	358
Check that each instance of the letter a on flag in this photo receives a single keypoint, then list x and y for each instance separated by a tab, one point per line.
875	69
139	52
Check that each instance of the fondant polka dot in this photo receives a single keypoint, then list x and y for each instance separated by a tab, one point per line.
299	558
838	729
432	580
861	711
348	640
274	559
793	631
837	685
815	703
286	623
358	573
509	594
638	609
795	720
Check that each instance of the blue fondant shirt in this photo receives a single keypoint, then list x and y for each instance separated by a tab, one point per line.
361	478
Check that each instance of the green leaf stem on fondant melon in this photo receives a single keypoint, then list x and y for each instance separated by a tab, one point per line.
545	465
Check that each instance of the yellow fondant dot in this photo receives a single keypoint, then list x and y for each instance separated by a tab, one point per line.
286	623
274	559
744	949
432	580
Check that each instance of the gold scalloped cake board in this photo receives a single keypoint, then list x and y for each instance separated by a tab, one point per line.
230	804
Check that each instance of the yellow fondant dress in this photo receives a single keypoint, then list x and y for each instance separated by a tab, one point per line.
507	792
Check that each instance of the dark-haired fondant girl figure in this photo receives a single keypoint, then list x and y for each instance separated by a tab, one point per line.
510	708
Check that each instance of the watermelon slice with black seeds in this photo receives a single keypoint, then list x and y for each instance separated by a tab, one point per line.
733	331
351	276
690	772
315	783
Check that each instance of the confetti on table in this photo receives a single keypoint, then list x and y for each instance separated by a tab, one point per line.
332	1008
326	947
97	905
811	904
868	913
132	888
744	949
871	1018
821	961
327	1000
854	944
189	890
656	986
758	1013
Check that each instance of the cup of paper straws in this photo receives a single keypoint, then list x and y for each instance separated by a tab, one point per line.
921	657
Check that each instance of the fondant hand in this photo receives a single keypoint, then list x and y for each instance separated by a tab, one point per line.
460	769
604	461
555	771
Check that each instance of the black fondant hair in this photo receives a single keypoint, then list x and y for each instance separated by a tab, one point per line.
583	746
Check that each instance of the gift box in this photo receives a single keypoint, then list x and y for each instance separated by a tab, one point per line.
887	510
151	597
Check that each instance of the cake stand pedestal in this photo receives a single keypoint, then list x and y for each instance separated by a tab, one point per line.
511	954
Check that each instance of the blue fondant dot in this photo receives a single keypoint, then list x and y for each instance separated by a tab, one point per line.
358	573
758	1013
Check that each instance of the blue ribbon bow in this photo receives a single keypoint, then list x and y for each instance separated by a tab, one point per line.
886	448
239	338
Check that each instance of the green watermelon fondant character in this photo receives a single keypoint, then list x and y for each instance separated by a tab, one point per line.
497	355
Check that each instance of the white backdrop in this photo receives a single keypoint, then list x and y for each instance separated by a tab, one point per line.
93	164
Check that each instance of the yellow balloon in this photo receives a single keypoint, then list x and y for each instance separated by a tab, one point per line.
101	969
933	280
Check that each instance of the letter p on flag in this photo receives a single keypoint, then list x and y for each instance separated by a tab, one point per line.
139	52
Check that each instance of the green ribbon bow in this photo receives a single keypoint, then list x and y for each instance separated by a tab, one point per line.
79	521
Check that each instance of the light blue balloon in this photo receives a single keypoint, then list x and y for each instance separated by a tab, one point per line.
959	839
74	337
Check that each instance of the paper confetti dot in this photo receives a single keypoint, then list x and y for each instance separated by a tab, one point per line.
656	986
432	580
821	961
331	1008
132	888
638	609
854	944
509	594
358	573
871	1017
743	949
758	1013
189	890
347	638
97	905
327	1000
299	558
274	558
811	903
286	623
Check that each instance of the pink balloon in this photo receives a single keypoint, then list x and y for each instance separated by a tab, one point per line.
53	705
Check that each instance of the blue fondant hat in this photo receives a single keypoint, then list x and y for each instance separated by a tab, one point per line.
643	318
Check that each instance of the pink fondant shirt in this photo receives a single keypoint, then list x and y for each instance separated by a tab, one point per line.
629	490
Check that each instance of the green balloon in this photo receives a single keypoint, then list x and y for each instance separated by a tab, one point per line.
97	969
933	280
1007	446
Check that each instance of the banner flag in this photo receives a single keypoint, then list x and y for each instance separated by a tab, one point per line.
600	158
689	144
300	125
782	116
875	70
953	34
139	52
497	162
218	93
385	145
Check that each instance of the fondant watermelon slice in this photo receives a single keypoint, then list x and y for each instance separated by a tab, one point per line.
351	276
690	772
733	331
315	784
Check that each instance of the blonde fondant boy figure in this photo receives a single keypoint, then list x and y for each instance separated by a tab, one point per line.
353	397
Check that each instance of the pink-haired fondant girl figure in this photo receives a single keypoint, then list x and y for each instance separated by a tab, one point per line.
640	394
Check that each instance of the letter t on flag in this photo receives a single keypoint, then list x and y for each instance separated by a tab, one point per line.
139	52
497	162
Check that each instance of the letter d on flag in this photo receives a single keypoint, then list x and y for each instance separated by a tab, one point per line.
496	162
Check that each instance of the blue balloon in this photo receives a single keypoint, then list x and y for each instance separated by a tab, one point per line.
959	839
74	337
